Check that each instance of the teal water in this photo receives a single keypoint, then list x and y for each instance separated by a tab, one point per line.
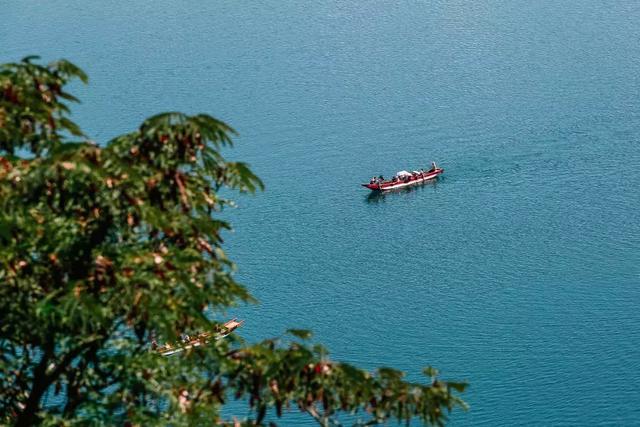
518	271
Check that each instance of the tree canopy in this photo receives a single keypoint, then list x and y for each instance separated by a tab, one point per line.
106	247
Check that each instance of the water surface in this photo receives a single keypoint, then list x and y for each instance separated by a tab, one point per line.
518	271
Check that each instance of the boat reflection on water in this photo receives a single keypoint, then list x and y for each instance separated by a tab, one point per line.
380	196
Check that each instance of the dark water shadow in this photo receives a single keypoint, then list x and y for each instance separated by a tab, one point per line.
378	196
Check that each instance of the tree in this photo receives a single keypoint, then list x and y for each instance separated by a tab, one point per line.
106	247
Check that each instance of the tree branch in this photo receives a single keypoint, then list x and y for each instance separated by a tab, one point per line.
28	414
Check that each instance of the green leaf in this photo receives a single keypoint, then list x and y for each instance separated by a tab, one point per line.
73	128
460	387
430	371
70	69
30	58
303	334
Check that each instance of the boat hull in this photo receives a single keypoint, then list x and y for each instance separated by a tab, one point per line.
202	339
389	185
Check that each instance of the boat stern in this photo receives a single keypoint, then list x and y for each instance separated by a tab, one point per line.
372	187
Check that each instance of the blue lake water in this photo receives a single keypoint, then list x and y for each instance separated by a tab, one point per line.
518	271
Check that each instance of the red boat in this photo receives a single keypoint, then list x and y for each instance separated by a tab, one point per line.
403	179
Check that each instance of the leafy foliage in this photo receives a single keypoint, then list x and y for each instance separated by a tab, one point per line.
105	248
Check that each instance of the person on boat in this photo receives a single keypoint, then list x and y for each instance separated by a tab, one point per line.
381	178
183	400
372	180
433	167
